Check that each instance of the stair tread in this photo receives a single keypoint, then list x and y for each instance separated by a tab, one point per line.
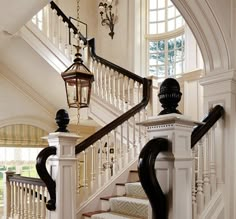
109	215
109	197
130	199
90	214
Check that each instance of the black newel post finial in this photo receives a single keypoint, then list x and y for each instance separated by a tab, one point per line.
169	96
62	120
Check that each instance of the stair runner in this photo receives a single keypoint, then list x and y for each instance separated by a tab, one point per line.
133	205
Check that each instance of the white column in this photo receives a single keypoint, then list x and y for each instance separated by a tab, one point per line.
7	195
220	88
174	168
63	171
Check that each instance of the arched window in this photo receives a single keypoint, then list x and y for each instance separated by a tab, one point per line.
165	39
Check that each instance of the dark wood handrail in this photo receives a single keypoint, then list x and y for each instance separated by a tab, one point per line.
129	74
26	180
148	179
214	115
115	123
68	21
45	176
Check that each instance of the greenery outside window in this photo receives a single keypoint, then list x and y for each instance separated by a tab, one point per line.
165	39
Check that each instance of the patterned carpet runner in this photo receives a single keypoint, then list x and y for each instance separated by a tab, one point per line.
133	205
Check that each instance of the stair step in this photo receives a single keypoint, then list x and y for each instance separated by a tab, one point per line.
130	206
112	215
135	190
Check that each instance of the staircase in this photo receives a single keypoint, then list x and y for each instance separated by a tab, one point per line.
124	96
130	201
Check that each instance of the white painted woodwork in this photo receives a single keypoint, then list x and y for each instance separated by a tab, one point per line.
63	171
174	168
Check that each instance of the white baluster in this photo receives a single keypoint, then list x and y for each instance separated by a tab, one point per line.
128	142
128	98
105	83
42	207
85	171
107	161
194	200
206	180
50	25
200	195
54	25
18	198
38	202
136	152
93	171
30	201
122	151
25	201
119	84
12	199
60	33
21	200
78	174
100	178
33	202
115	164
212	161
101	82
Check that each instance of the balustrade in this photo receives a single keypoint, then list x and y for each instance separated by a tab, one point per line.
25	197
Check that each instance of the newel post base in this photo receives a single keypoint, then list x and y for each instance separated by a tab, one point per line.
174	167
63	171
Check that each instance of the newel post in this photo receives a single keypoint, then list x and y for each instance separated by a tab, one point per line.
63	168
7	194
174	167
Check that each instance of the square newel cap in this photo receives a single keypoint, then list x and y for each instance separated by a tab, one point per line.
172	118
67	135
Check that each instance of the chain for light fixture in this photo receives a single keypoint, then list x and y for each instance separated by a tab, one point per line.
108	17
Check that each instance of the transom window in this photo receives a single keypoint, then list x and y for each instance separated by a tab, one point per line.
165	39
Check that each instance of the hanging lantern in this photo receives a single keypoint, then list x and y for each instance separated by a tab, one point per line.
78	82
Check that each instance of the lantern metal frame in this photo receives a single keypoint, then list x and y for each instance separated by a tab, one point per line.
80	77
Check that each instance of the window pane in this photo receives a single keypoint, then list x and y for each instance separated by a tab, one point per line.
171	70
161	15
161	3
171	56
153	16
171	44
171	12
161	58
153	47
179	67
153	28
153	4
179	55
171	25
161	71
161	27
170	3
153	70
161	45
153	59
179	22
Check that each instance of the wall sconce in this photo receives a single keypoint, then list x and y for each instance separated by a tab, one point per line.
107	15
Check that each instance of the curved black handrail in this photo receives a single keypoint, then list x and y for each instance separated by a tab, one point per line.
147	176
214	115
91	44
68	21
45	176
121	119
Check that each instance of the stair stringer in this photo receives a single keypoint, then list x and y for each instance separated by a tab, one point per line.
46	49
108	189
102	112
215	208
